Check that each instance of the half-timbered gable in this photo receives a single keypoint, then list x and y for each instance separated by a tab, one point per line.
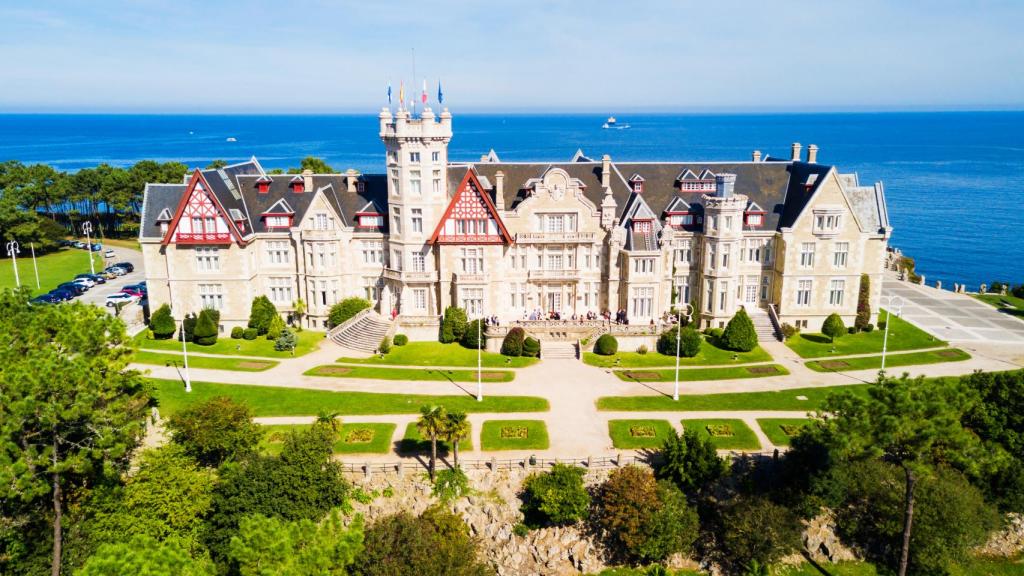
200	218
471	217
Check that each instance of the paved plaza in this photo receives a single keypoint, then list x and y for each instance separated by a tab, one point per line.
953	317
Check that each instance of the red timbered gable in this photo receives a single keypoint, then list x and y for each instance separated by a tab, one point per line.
200	217
471	217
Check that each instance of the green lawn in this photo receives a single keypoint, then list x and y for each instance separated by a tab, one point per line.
414	443
237	364
636	434
1008	304
274	401
308	340
352	438
974	567
438	354
411	374
775	428
770	400
514	435
708	356
54	268
740	436
891	360
902	336
702	374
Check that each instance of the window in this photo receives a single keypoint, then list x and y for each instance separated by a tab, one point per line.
643	302
278	252
396	259
684	254
322	222
554	262
803	293
728	224
839	255
419	262
709	295
372	286
555	223
711	222
472	300
414	182
683	291
711	256
278	221
207	260
417	220
395	188
755	219
726	249
754	250
472	260
211	296
827	223
435	157
807	255
765	283
835	292
723	295
643	265
373	252
281	290
371	221
419	297
414	156
396	220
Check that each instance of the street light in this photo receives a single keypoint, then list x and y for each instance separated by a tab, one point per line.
12	251
184	351
679	334
891	301
479	362
87	230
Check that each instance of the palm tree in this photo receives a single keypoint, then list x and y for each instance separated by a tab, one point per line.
432	424
329	419
456	428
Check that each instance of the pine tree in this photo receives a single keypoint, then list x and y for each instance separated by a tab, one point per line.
739	333
453	327
863	304
475	337
275	327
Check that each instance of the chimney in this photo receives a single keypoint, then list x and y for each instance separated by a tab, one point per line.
796	152
499	190
606	171
307	180
812	154
756	156
351	176
484	158
724	185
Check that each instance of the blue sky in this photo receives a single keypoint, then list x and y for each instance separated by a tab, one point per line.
336	56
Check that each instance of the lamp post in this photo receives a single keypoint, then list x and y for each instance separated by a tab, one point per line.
87	230
184	351
479	360
35	266
679	335
891	301
12	251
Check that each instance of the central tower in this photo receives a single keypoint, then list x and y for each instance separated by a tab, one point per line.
417	171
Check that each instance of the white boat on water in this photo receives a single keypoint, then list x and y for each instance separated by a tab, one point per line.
232	139
612	123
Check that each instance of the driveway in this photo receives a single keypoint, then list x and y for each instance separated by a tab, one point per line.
953	317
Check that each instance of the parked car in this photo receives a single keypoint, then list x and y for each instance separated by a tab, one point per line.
96	247
96	278
77	289
133	291
48	298
115	270
78	244
63	294
119	298
66	243
141	286
87	282
128	266
109	253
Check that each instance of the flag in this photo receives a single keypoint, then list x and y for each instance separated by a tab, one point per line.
424	96
389	94
401	93
440	95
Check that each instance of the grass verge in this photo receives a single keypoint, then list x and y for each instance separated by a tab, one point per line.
236	364
274	401
768	400
308	340
414	443
1007	304
709	355
780	430
891	360
438	354
902	336
638	434
409	374
725	433
54	268
356	438
701	374
514	435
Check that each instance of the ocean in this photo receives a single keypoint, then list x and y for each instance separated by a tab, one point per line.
954	180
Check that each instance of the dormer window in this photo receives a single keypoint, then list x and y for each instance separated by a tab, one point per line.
263	185
755	219
636	182
298	185
278	221
370	221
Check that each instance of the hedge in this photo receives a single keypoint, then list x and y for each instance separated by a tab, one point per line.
606	345
512	345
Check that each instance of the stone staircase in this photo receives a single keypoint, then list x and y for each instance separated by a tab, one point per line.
550	350
364	334
763	326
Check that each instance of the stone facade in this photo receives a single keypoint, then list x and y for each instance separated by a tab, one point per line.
518	240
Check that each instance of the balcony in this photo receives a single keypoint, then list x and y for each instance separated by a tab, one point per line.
203	238
550	275
462	278
555	237
409	276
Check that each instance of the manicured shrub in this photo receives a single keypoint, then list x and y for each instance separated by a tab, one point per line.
690	461
236	332
739	334
863	304
869	327
188	326
512	345
162	323
606	345
205	332
531	347
286	341
788	331
346	309
755	530
476	335
641	349
261	313
401	340
275	327
714	334
833	327
453	326
250	334
689	342
556	497
385	345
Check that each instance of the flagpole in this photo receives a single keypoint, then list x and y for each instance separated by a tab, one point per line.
414	79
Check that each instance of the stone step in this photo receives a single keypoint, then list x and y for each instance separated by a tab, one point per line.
364	335
558	350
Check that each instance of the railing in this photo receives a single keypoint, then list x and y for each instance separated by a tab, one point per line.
202	238
469	278
774	316
344	325
410	275
561	274
555	237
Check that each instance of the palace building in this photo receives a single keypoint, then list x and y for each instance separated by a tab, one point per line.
783	237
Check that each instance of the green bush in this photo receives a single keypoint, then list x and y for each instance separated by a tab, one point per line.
346	309
236	332
205	332
531	347
714	334
450	484
863	304
869	327
385	345
475	337
833	327
250	333
286	341
689	342
162	323
512	345
401	340
606	345
556	497
690	461
788	331
453	326
188	326
739	334
642	349
261	313
756	530
275	327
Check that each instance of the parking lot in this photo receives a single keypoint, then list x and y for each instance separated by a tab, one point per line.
98	294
